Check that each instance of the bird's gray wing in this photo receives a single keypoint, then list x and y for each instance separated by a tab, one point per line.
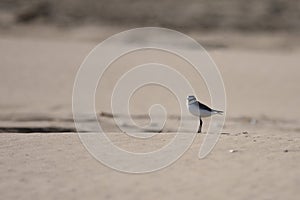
204	107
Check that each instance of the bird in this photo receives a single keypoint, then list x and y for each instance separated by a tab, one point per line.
200	110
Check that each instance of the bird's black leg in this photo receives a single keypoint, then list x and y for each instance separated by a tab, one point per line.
200	126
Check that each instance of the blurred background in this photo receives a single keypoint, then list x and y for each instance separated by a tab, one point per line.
56	35
256	15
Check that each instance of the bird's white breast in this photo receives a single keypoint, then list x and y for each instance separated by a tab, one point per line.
194	109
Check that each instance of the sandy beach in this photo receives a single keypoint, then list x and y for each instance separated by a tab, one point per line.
43	158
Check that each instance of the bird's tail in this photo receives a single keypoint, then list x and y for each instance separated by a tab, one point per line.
218	112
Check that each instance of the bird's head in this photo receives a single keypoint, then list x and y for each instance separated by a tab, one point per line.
191	99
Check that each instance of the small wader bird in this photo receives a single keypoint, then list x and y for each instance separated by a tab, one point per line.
200	110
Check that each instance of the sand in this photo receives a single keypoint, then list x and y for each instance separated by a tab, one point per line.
262	124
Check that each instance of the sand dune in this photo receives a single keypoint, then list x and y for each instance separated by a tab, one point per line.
43	158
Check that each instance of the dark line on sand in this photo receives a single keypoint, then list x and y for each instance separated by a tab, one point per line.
36	130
